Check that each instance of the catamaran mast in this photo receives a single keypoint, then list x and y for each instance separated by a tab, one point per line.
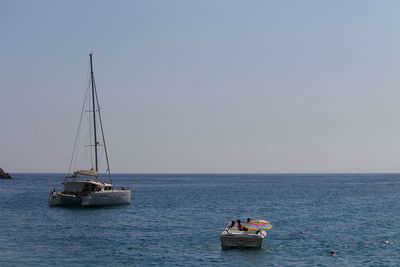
94	112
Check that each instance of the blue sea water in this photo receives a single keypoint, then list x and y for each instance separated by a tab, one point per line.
175	220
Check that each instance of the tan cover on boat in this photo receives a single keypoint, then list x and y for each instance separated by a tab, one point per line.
87	172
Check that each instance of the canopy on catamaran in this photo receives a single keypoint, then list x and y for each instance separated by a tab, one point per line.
86	172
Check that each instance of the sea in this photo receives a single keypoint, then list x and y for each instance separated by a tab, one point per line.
176	220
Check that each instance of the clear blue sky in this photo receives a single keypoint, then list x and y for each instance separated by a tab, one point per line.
204	86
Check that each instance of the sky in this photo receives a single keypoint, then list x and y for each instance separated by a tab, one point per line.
204	86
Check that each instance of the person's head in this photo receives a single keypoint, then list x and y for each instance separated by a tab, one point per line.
232	223
238	221
248	220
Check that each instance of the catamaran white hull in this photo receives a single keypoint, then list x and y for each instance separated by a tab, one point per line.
100	198
61	199
241	241
107	198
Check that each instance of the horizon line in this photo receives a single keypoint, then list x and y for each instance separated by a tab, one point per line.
219	173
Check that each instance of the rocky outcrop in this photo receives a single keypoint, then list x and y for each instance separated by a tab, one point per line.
4	175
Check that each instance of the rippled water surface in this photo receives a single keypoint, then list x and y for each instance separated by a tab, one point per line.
175	220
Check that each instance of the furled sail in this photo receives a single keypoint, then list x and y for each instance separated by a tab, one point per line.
90	172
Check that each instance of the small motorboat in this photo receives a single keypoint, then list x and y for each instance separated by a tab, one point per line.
249	235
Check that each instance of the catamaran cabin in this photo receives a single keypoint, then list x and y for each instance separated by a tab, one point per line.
87	186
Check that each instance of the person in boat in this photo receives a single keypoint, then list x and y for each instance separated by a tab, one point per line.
244	228
240	227
232	224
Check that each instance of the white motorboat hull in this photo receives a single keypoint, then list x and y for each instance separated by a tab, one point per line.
98	198
243	239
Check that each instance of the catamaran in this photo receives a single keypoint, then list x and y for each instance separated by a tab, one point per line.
85	187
